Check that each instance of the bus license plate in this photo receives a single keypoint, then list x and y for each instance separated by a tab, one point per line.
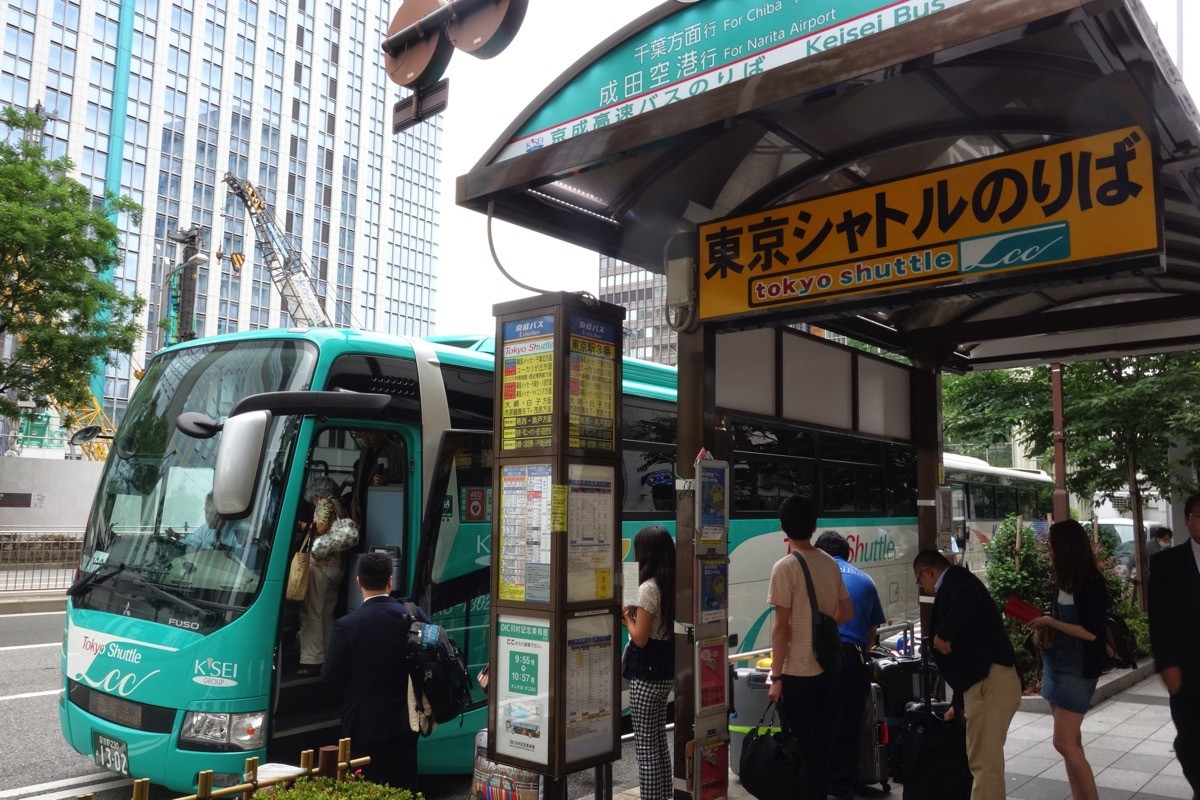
110	753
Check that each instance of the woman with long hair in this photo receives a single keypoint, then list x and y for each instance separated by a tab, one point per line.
650	658
1074	657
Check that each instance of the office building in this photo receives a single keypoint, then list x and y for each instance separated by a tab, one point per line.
643	294
157	100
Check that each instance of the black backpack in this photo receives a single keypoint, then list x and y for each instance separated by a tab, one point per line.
438	671
1120	645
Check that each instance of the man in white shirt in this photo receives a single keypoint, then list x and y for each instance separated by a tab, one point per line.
208	534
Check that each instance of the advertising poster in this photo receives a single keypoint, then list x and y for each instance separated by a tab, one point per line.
588	673
591	509
527	402
591	398
713	499
714	770
713	589
525	533
712	675
521	681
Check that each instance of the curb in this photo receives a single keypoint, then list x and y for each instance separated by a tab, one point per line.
1110	684
33	602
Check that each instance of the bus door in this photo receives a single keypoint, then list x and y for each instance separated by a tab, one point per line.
360	470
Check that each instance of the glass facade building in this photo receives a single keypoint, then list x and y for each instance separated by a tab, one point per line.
158	99
644	295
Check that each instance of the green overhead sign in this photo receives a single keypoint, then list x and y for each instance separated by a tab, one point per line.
704	46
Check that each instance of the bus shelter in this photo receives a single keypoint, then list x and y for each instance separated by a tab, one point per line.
970	184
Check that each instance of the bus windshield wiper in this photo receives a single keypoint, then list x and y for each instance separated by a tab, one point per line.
102	573
133	576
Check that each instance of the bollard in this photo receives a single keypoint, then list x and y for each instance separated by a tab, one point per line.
327	761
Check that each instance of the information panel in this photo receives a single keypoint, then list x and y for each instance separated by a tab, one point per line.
527	390
591	510
589	678
526	514
522	686
591	399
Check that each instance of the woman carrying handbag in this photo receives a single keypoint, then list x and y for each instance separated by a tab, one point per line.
324	577
650	658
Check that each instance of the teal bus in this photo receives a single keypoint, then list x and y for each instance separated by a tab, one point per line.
178	658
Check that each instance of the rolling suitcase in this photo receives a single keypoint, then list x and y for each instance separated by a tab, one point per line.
934	751
750	702
873	743
900	679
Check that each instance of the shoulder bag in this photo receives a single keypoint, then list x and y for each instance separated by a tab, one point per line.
341	536
772	765
827	642
297	580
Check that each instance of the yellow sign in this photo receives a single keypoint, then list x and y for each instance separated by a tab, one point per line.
1075	201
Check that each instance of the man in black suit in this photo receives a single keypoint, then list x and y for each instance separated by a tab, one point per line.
976	658
367	660
1174	626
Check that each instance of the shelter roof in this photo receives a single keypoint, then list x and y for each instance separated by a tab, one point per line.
975	79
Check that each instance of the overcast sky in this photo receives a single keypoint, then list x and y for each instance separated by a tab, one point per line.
486	96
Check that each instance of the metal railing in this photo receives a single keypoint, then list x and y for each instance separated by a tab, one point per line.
37	560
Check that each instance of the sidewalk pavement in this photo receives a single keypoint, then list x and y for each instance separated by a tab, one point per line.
1127	738
1127	735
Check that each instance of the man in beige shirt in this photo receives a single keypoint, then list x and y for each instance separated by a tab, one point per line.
803	690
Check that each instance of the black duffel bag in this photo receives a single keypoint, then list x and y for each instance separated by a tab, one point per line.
773	765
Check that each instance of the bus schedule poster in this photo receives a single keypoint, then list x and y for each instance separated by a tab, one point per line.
526	514
592	392
522	684
527	399
591	511
589	677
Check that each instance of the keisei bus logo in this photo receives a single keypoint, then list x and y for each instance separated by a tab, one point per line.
1022	248
210	672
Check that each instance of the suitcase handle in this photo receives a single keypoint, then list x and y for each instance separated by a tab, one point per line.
926	688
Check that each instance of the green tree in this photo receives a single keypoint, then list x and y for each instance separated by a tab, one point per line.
1120	417
56	248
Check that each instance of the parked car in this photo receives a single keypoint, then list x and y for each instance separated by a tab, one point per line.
1125	559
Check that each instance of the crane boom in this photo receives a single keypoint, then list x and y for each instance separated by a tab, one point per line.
282	260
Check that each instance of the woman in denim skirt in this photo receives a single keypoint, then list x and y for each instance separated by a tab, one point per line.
1073	647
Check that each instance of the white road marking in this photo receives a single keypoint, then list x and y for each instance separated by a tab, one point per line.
23	696
43	787
30	646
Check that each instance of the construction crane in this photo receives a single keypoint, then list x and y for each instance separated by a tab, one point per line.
283	262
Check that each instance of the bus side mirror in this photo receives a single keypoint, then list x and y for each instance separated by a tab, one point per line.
239	460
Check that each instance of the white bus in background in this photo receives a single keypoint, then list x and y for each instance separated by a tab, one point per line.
983	496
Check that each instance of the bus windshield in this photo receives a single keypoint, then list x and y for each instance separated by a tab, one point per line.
154	546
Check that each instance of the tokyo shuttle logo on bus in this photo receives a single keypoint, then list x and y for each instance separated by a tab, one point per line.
112	664
1020	248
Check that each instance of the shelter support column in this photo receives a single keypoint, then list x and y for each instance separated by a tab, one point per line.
926	411
1060	507
694	430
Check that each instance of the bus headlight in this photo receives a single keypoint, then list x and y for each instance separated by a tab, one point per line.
243	731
